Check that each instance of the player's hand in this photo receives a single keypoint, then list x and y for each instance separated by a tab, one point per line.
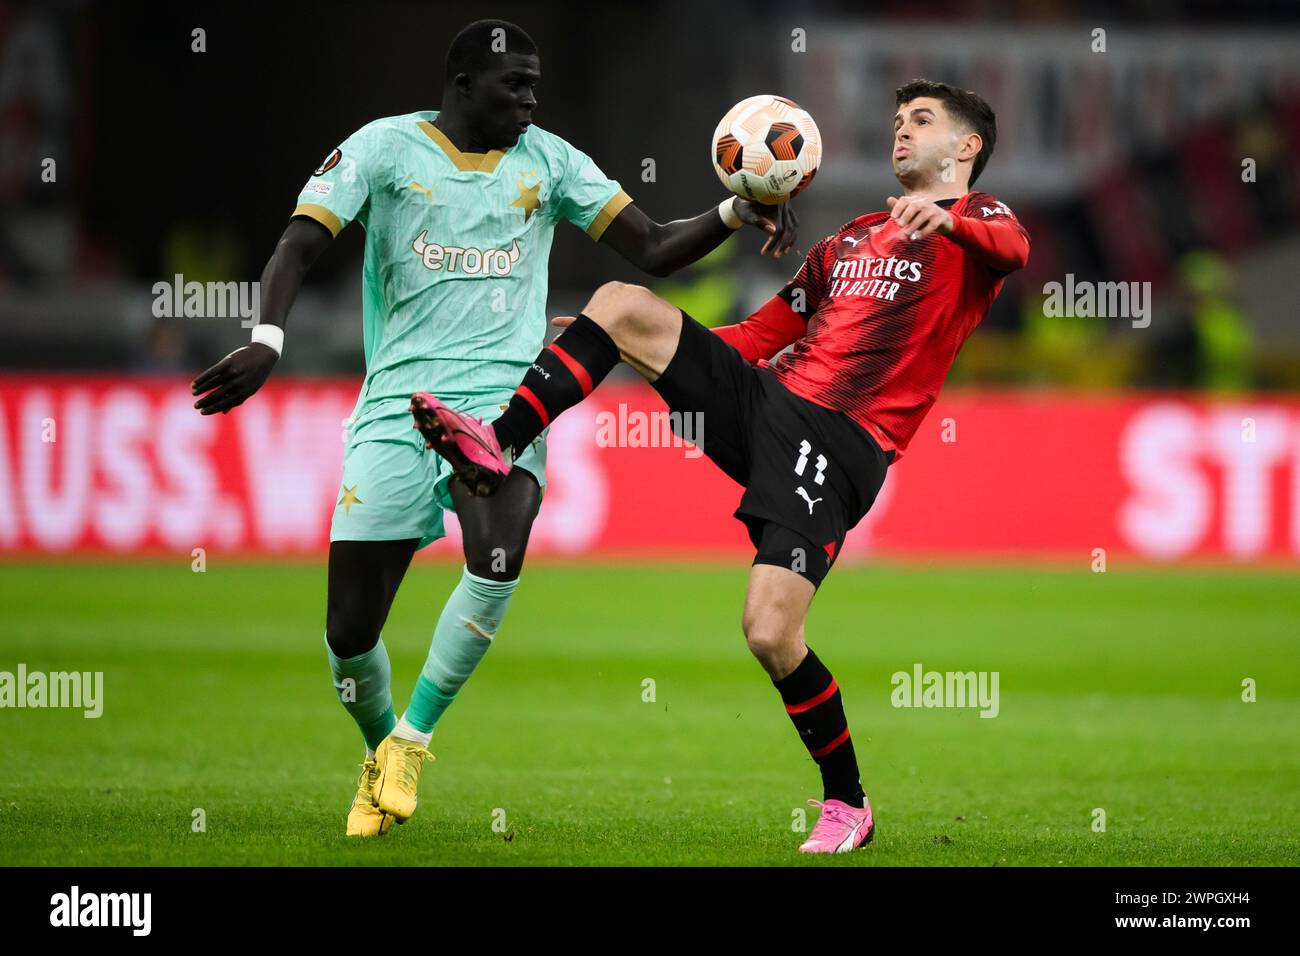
779	222
234	378
918	217
563	321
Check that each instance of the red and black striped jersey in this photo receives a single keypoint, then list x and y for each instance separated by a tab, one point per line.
876	318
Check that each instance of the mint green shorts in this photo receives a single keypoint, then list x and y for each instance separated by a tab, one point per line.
394	488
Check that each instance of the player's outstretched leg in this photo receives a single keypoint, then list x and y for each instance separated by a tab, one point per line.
621	322
776	605
466	442
363	578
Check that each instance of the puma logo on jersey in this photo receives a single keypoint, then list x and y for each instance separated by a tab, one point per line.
804	495
852	240
468	261
428	193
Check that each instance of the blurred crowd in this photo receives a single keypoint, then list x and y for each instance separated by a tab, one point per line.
1209	215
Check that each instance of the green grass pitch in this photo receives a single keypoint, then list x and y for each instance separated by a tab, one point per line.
1119	691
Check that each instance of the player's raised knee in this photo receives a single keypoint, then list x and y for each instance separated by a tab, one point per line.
618	303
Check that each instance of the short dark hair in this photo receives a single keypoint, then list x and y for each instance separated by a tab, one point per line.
968	106
471	50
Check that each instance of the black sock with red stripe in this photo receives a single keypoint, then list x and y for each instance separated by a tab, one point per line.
563	374
812	699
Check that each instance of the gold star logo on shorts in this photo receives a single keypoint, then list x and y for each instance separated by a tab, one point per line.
349	498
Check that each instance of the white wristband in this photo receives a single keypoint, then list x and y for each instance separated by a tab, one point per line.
728	214
271	335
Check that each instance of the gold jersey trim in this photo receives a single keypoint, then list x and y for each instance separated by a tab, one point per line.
322	215
466	162
617	203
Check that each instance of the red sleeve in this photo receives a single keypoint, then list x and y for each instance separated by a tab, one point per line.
784	317
766	332
997	241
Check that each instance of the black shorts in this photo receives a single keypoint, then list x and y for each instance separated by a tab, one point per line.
806	469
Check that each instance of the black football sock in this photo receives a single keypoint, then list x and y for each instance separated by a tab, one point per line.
812	699
562	375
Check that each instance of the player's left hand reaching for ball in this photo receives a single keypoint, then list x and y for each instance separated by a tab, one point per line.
779	222
918	217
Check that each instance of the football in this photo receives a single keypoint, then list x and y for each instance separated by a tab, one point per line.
766	149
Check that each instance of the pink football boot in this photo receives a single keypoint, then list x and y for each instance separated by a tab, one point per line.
469	445
841	828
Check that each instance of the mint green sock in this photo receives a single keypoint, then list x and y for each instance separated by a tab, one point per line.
362	683
465	630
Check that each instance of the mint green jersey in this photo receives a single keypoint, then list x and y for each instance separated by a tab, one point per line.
457	245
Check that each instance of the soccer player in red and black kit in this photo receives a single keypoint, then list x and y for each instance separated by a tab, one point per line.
876	316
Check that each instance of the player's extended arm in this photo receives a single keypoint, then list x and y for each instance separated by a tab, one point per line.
662	248
995	243
242	372
766	332
999	243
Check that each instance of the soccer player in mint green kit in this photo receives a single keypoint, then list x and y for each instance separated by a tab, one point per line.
459	207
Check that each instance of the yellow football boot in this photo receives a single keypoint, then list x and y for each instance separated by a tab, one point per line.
364	818
395	786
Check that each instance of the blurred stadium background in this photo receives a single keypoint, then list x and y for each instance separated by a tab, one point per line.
1126	165
1171	158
